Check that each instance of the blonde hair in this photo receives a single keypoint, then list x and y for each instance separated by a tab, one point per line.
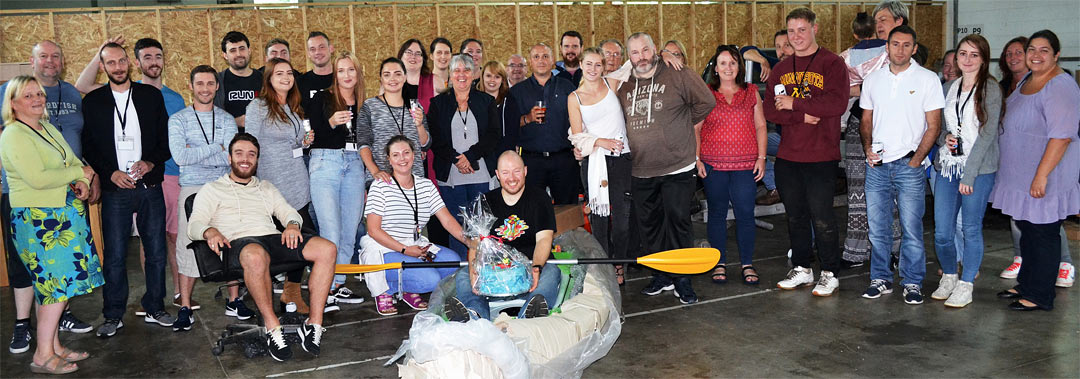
338	102
497	68
14	88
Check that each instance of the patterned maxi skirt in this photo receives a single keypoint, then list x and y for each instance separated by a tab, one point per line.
56	247
857	239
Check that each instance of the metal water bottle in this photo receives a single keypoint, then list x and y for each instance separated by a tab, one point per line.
959	149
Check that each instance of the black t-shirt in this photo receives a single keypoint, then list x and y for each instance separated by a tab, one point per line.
235	92
310	83
518	224
318	110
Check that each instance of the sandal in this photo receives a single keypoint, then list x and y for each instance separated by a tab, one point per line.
751	279
73	355
384	304
620	272
414	301
60	367
718	276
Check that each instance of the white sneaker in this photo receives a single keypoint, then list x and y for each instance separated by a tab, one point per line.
827	284
1066	275
961	295
797	277
945	287
1013	270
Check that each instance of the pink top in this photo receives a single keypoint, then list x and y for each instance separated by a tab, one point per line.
728	135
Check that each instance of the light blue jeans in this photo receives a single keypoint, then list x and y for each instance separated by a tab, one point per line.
458	196
909	186
548	285
337	194
418	280
948	204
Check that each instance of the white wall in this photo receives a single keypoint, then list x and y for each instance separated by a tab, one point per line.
1001	20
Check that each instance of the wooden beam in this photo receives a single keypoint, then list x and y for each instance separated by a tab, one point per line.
517	27
438	22
397	21
693	35
592	25
660	21
753	25
625	20
555	27
352	31
725	24
303	20
52	27
157	24
210	36
104	25
476	24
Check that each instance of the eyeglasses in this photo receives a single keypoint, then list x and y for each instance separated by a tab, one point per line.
517	65
609	54
414	53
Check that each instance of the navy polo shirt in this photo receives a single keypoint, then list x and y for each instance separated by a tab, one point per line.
551	136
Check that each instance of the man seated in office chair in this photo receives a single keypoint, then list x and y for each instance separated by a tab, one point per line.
233	215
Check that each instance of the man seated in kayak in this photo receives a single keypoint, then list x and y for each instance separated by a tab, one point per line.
525	220
233	215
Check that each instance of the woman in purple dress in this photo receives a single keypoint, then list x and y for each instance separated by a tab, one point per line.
1039	190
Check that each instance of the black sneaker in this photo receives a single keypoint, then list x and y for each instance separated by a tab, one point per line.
331	305
536	307
657	286
684	291
20	340
70	323
847	265
238	309
345	295
913	294
184	320
311	337
276	344
455	310
109	328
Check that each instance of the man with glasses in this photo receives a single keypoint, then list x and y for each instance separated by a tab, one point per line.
516	71
613	55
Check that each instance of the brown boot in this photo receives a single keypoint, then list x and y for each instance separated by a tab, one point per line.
291	293
769	198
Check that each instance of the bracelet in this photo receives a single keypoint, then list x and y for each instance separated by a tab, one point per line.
538	266
403	250
762	157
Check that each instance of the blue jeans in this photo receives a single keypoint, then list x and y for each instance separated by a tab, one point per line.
908	185
947	203
737	188
337	196
959	240
117	208
770	149
548	286
419	280
460	196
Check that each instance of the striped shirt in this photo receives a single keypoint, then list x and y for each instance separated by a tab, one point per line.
386	122
198	144
386	200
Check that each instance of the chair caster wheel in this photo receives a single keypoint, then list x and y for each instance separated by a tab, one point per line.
217	350
251	351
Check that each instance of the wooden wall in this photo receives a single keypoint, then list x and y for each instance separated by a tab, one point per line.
192	34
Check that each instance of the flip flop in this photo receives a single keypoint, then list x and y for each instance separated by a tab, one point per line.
414	301
60	368
78	355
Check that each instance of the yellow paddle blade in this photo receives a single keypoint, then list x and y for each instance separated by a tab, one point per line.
362	269
682	261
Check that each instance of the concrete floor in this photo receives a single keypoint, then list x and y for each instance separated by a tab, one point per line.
734	331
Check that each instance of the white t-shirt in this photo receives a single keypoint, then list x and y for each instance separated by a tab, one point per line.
386	200
132	132
900	102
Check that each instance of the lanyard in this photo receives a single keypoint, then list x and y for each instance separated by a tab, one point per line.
296	123
415	210
799	80
464	121
213	125
400	125
123	117
960	108
57	146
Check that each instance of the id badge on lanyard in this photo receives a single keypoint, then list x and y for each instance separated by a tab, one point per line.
125	143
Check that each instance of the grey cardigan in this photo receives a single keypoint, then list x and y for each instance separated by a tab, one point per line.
984	155
277	139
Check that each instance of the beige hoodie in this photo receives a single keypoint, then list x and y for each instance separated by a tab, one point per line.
238	210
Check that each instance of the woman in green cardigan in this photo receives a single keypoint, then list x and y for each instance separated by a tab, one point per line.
48	217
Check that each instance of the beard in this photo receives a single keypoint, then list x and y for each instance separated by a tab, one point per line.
572	60
238	63
150	72
648	66
118	77
239	172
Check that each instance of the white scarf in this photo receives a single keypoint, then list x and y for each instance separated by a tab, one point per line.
599	198
953	166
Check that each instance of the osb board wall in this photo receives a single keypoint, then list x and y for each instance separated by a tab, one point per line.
192	34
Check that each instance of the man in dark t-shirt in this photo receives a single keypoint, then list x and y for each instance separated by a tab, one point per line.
239	84
525	220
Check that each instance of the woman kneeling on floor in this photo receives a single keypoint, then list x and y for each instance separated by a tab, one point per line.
396	212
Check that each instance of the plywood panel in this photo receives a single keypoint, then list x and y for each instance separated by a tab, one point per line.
644	18
677	22
19	34
458	23
575	17
334	21
608	22
826	21
499	41
709	22
847	14
226	20
80	35
133	26
928	20
738	23
416	22
287	24
536	27
374	41
185	39
767	22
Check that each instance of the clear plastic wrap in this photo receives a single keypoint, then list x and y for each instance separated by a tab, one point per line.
501	270
558	346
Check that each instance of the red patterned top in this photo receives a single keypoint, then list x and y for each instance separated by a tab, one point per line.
728	136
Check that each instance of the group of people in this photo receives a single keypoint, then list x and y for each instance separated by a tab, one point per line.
284	166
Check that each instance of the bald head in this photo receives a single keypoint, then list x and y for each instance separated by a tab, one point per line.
510	159
47	61
511	173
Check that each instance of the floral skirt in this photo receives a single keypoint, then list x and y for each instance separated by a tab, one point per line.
56	247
